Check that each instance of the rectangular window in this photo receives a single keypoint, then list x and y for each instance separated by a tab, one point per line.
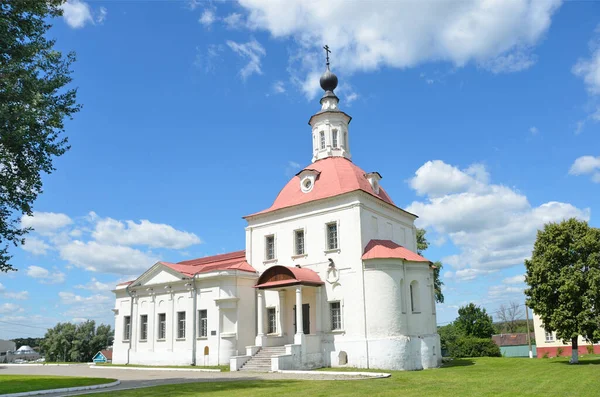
202	323
334	138
549	336
270	247
336	315
180	325
299	242
162	326
332	236
322	137
126	327
271	316
143	327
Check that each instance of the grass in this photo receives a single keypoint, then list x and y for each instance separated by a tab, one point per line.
26	383
223	368
464	377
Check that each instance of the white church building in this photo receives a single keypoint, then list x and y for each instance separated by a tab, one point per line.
329	277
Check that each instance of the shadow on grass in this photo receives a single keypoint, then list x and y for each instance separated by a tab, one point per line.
234	387
458	362
595	361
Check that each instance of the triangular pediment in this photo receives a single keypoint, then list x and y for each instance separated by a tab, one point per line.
159	274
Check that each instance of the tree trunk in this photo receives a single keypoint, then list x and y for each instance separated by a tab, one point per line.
574	351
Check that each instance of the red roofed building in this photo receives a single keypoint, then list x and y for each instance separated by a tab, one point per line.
330	277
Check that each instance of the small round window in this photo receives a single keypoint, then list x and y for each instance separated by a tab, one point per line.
306	185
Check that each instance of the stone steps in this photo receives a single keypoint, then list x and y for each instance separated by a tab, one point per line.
261	361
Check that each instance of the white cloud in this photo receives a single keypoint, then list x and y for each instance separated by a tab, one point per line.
351	97
234	21
533	130
69	298
505	293
207	60
21	295
101	17
493	226
10	308
95	285
45	276
587	165
156	235
77	13
518	279
252	51
45	222
117	259
279	87
207	18
35	246
496	35
589	71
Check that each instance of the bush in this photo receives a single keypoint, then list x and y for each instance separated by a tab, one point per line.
590	349
546	355
468	346
559	352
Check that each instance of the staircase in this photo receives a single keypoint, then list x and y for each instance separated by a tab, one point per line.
261	361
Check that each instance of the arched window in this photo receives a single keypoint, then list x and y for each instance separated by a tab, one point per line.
414	297
322	136
334	139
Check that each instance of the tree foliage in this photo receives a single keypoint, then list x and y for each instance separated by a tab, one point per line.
468	346
31	342
563	275
422	245
33	105
474	321
76	343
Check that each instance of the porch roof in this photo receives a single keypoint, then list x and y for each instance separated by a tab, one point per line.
283	276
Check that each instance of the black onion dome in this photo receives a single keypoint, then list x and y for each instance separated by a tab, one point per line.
328	81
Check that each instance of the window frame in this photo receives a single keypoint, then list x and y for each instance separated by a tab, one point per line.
335	138
328	247
203	327
274	253
126	328
322	142
296	234
414	297
181	330
271	320
161	331
333	320
549	336
143	327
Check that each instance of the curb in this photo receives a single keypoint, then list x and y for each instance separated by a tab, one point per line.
365	374
42	365
156	369
63	390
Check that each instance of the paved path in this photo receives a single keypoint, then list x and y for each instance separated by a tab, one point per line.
135	379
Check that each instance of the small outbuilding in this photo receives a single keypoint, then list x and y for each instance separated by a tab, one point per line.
515	345
103	356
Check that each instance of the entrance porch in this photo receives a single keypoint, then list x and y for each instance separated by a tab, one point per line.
281	291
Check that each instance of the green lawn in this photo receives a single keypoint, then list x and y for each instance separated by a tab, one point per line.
223	368
465	377
25	383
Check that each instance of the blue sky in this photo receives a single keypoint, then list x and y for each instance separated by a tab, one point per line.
482	118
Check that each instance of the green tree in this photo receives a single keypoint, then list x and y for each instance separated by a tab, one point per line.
563	275
474	321
34	102
448	336
422	245
76	343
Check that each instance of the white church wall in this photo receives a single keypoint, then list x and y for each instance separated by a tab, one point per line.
380	222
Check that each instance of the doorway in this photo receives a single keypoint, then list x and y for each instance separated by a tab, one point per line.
305	319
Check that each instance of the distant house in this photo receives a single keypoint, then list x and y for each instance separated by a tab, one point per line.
515	345
103	356
550	346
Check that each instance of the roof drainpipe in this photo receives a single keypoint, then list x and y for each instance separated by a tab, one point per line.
194	306
130	321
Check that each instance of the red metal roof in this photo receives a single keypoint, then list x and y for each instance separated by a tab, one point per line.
126	282
337	175
281	276
107	354
230	261
386	249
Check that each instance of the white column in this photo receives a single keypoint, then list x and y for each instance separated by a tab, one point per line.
299	337
260	313
260	318
281	318
318	310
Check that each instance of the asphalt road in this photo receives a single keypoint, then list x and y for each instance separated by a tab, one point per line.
135	379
